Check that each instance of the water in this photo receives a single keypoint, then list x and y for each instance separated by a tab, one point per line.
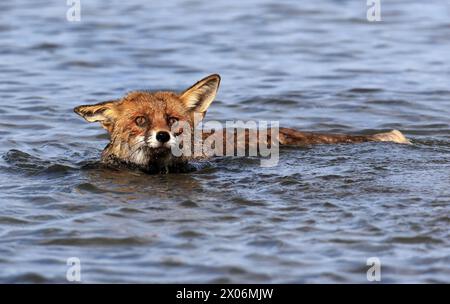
316	217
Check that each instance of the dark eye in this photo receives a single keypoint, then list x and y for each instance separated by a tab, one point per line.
141	121
172	120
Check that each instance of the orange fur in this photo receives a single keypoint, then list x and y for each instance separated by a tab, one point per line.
134	120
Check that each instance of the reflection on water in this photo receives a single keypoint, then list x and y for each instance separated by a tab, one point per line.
316	217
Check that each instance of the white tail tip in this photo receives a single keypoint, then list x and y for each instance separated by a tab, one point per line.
393	136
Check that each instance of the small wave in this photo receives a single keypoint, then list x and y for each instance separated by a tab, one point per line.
364	90
96	241
415	240
23	162
48	46
29	277
81	64
274	101
390	102
7	220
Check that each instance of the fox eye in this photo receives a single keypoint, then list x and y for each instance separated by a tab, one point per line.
172	120
141	121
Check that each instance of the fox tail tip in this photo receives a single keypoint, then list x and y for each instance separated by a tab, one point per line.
393	136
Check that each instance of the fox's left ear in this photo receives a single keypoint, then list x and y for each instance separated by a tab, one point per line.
198	97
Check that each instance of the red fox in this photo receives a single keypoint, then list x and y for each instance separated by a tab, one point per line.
145	126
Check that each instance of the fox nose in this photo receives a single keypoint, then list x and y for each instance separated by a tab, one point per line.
162	136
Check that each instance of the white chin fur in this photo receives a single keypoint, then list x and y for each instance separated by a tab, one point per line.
140	156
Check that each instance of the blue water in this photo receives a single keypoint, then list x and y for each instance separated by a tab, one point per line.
312	65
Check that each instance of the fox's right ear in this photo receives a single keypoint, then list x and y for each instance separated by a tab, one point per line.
199	96
104	112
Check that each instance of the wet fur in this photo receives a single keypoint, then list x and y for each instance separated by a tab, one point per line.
135	147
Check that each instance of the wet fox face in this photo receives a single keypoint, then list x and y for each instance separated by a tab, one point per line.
144	126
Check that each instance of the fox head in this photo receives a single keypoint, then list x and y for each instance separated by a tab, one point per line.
144	126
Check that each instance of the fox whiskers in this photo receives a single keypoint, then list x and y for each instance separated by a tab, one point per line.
134	154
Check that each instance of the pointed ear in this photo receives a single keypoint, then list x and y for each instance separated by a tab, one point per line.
198	97
104	112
